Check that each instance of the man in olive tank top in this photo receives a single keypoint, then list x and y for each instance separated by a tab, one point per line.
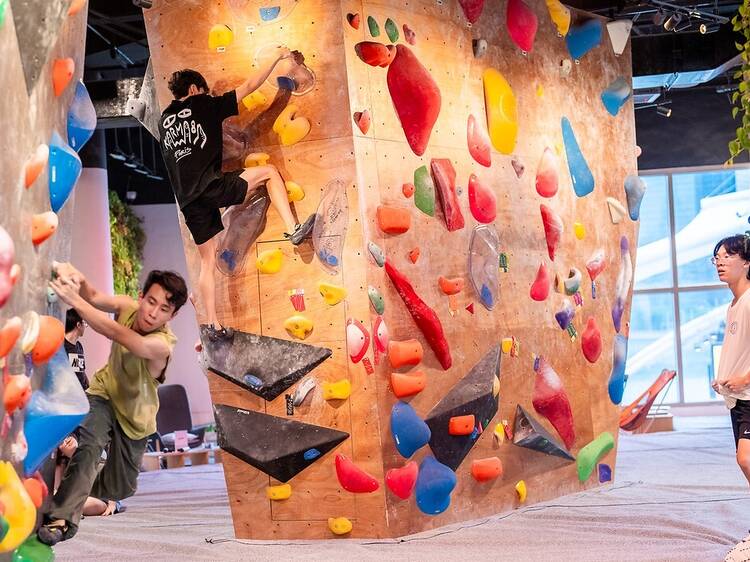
122	396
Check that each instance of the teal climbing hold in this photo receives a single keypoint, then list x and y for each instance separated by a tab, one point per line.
635	189
81	118
582	38
434	486
591	453
617	377
376	299
580	173
3	6
269	13
391	30
372	25
377	253
410	432
615	96
64	171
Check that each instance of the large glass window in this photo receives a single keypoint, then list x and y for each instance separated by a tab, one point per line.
683	215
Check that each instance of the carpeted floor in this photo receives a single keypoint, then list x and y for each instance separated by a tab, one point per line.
678	497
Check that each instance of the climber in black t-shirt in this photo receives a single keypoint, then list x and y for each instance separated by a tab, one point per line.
191	142
74	329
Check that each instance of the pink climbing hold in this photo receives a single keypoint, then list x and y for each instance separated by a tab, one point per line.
374	53
425	318
596	264
547	174
479	142
553	228
352	478
362	119
407	189
444	176
482	202
357	340
409	35
9	271
540	287
550	400
522	24
415	96
472	9
401	481
591	341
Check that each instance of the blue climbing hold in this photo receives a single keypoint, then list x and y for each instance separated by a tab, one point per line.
81	118
434	486
635	189
252	380
269	13
616	94
580	173
409	431
230	258
486	297
64	171
582	38
311	454
617	377
605	473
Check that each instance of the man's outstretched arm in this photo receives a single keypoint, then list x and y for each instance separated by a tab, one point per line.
256	80
89	293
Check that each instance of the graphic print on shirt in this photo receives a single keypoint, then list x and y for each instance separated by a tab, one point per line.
182	134
733	328
77	362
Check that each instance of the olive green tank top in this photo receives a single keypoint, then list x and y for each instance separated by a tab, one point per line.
129	386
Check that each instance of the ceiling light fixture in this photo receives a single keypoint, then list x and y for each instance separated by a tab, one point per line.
673	21
664	111
705	28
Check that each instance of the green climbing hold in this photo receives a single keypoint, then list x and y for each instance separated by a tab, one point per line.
391	30
372	24
591	453
424	191
3	5
32	550
376	299
4	527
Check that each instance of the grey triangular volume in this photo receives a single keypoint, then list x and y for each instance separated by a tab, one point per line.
276	446
529	433
473	394
151	104
263	365
37	25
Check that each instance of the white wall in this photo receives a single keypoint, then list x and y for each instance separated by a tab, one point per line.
163	250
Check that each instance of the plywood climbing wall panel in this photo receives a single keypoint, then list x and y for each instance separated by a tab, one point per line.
374	164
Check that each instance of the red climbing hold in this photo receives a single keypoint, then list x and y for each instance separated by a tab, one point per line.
540	286
414	255
522	24
451	286
551	401
472	9
596	264
401	481
352	478
482	202
362	119
553	228
547	174
407	189
409	35
415	96
353	20
374	53
444	176
470	307
591	341
479	142
423	316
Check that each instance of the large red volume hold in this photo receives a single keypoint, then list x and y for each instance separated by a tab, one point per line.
423	315
522	24
445	179
553	228
352	478
415	96
551	401
591	341
472	9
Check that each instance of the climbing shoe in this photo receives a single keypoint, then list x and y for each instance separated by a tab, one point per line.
301	231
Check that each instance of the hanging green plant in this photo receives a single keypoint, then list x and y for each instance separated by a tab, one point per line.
741	98
128	239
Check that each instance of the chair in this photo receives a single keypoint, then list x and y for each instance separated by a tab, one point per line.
174	415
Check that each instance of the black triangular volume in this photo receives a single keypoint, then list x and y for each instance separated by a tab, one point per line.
263	365
473	394
279	447
37	24
529	433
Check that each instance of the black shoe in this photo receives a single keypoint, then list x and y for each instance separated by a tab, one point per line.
220	334
301	231
51	534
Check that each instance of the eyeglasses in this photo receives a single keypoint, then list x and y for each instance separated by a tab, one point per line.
716	260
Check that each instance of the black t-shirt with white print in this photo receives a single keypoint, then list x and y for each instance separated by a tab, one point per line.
77	361
191	142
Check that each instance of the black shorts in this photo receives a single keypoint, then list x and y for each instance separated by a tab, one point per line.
203	217
740	415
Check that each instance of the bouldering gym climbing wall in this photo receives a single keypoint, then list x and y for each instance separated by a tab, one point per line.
465	296
47	117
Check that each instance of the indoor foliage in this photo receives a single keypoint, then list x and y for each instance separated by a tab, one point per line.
741	98
128	239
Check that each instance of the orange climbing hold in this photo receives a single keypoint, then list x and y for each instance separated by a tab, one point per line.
484	470
35	164
374	53
43	225
461	425
75	7
362	119
9	335
16	393
408	384
393	220
407	352
407	189
51	335
451	286
414	255
62	74
37	490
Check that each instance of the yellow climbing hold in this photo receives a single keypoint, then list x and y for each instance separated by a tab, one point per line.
339	525
539	91
298	326
339	390
579	230
521	489
294	192
269	261
332	294
499	432
220	37
19	511
495	386
256	159
560	16
500	105
253	100
291	128
280	492
506	345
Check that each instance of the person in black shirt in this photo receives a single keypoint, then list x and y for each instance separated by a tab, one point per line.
74	329
191	142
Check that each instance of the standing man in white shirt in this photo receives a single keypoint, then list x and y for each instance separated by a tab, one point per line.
732	261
